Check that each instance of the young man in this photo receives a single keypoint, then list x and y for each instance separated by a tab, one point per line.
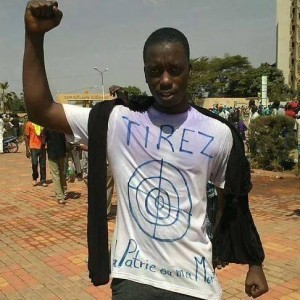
35	142
15	123
161	159
56	149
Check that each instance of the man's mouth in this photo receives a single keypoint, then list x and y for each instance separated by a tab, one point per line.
166	95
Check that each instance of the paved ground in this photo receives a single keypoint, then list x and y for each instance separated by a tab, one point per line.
43	245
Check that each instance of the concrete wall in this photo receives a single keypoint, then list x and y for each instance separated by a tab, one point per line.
81	98
228	102
283	37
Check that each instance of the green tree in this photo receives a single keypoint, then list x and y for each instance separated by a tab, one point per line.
234	76
133	91
10	101
277	89
17	103
218	77
6	97
271	140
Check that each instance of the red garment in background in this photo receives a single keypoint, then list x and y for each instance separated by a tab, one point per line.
290	113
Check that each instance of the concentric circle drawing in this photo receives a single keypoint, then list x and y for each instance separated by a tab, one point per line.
160	200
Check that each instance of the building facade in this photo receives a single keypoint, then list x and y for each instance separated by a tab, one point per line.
86	99
288	41
224	102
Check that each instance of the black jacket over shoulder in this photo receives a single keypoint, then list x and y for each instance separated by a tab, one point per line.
235	240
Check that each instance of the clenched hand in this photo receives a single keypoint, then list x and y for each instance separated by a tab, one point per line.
41	16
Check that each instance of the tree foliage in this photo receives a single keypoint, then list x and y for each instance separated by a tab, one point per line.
277	89
18	104
5	96
133	91
10	102
271	139
234	76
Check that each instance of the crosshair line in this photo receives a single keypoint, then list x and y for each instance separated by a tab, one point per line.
158	197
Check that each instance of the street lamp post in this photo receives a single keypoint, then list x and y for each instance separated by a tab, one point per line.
102	84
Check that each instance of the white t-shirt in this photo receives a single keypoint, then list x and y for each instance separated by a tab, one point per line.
224	114
161	164
254	116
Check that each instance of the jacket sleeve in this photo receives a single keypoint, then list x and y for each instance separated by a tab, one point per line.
97	228
236	239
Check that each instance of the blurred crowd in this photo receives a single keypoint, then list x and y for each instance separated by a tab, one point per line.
234	114
242	116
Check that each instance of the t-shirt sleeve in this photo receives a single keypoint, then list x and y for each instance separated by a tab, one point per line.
220	165
77	118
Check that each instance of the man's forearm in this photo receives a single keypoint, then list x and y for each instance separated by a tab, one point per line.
26	143
37	94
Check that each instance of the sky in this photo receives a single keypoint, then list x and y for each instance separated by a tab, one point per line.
111	34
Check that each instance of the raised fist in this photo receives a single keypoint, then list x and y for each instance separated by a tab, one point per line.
41	16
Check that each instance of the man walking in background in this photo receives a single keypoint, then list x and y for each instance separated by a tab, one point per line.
56	149
36	150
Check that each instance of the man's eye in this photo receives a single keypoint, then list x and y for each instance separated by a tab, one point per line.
154	72
176	70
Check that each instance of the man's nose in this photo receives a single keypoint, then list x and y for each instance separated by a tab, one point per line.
166	79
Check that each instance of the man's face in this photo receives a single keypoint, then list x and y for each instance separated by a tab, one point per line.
167	72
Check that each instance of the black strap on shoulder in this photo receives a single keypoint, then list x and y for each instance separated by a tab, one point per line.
97	229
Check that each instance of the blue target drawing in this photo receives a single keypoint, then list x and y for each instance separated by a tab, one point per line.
160	203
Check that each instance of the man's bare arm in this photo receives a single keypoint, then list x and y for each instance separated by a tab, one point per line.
40	17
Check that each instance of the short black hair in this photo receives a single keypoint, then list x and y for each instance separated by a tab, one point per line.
167	35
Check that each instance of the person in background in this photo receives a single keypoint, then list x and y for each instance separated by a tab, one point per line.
242	128
289	111
254	113
234	117
223	112
250	106
281	110
35	142
2	130
15	123
73	154
109	180
56	149
84	160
